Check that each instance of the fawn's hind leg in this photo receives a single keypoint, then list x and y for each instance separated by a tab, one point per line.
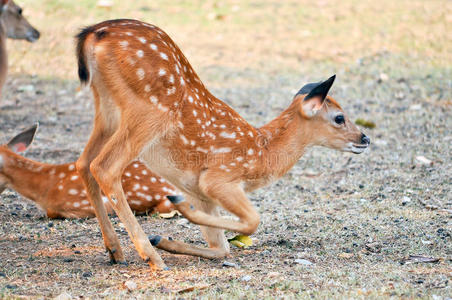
218	245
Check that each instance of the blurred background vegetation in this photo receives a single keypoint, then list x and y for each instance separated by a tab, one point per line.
267	35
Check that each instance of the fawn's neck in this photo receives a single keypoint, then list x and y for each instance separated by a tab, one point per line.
285	139
3	56
29	178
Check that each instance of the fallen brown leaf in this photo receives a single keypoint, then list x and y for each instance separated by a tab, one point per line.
192	288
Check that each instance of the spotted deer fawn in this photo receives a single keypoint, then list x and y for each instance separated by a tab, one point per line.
149	103
59	191
12	25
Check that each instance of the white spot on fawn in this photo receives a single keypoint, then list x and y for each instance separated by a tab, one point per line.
153	99
71	167
184	139
144	172
60	187
147	88
85	202
157	197
74	177
201	150
171	91
153	46
227	135
162	108
73	192
76	204
221	150
124	44
164	56
239	158
62	175
162	72
190	99
250	151
140	53
140	74
153	179
142	40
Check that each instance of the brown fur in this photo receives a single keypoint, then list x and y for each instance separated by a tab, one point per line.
163	113
50	185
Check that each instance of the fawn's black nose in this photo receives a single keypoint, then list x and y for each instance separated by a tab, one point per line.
365	139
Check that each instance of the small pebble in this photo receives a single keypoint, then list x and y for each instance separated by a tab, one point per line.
245	278
87	274
229	264
405	200
301	261
63	296
130	285
424	160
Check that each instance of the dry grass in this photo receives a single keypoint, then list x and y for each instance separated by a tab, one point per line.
346	214
262	35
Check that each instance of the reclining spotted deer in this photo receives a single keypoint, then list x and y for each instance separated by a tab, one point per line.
12	25
149	103
59	191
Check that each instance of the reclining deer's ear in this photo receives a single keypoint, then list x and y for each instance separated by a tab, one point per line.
315	96
20	142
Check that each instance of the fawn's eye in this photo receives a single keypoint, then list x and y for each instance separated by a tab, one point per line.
19	11
339	119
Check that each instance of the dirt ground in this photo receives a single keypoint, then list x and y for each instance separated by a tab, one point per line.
337	226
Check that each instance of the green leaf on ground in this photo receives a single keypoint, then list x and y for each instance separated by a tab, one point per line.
365	123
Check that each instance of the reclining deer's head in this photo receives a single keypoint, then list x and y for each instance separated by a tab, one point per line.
8	151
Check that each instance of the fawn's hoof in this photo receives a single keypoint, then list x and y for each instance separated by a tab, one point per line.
155	239
176	199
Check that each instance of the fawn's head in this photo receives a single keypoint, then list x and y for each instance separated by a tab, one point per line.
14	23
17	144
329	124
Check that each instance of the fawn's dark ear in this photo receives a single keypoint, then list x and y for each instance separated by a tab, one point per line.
316	94
20	142
321	90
